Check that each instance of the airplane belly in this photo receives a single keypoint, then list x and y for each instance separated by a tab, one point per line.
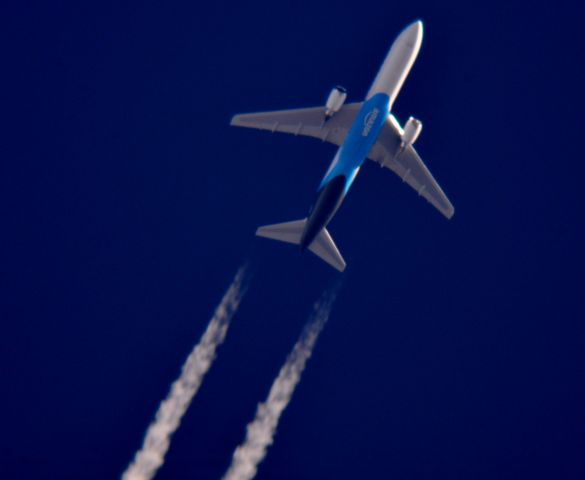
360	139
328	201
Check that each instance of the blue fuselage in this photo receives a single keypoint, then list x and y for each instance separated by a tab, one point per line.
346	165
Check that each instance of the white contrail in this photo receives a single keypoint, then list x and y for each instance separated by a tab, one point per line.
170	412
260	432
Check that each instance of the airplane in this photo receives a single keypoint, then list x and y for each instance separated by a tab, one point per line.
361	130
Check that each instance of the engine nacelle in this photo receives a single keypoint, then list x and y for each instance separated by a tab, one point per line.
335	101
412	130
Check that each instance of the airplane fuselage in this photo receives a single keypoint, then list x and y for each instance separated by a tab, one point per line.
363	133
346	165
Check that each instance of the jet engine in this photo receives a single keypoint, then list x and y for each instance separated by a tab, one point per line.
335	101
412	130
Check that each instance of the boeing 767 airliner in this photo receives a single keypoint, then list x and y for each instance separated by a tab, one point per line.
361	130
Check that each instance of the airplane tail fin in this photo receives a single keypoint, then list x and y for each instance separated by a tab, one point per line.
290	232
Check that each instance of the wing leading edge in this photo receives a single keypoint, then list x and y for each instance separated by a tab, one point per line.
307	122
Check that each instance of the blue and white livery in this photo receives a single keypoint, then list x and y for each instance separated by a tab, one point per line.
360	130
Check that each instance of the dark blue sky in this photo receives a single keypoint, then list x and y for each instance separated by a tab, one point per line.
456	348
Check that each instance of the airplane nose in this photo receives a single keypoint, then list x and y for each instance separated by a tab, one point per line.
413	34
419	28
416	28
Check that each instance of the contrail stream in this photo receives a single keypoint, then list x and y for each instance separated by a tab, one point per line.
170	412
260	432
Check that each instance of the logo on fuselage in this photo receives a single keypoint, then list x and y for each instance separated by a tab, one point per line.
369	120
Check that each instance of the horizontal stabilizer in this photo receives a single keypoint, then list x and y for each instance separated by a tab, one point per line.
289	232
324	247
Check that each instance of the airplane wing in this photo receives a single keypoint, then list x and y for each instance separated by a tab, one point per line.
303	121
408	166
